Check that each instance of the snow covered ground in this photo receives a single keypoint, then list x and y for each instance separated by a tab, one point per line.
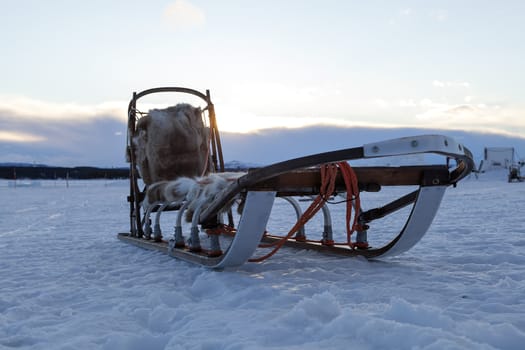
66	282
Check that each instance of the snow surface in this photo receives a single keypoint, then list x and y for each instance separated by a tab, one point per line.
66	282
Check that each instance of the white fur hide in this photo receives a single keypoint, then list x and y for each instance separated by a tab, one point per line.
198	191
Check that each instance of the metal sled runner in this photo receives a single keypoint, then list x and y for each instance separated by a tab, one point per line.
211	242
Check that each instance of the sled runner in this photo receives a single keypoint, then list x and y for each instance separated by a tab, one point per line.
213	238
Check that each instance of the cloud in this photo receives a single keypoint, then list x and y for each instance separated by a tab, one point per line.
183	15
49	132
406	12
63	143
439	15
401	16
381	103
408	103
479	117
24	108
17	136
231	118
61	133
442	84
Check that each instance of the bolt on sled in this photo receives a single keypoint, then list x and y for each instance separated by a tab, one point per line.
221	218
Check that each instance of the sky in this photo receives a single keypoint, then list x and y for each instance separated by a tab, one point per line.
437	64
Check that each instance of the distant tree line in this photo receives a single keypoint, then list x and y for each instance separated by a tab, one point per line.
44	172
49	172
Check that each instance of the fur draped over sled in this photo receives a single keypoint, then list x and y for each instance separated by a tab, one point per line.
197	191
170	143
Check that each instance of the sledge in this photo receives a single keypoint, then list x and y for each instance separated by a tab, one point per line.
218	238
515	173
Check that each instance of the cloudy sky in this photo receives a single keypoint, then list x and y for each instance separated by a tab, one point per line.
438	64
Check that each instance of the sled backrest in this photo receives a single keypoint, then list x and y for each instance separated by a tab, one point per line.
180	140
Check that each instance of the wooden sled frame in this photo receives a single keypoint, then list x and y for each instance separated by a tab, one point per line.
300	177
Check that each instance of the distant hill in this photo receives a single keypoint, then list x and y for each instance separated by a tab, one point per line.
236	165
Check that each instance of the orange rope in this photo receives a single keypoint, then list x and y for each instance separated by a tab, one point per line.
328	176
352	195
